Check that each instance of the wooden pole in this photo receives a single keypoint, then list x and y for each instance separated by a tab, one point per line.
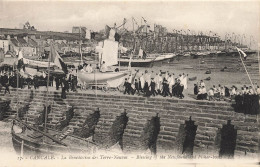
17	83
247	72
48	80
22	148
258	59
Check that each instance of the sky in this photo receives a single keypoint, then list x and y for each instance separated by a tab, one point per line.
220	17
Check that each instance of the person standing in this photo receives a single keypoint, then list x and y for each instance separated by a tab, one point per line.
136	87
258	90
195	90
211	94
152	85
5	83
142	82
103	67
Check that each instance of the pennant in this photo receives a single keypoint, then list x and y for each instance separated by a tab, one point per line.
58	60
241	53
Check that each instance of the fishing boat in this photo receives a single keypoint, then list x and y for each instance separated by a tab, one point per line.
109	55
28	140
100	76
148	61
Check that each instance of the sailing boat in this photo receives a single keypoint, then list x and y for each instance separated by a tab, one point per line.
109	55
143	59
31	140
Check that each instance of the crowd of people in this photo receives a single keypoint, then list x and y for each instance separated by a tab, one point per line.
153	84
65	82
220	92
140	83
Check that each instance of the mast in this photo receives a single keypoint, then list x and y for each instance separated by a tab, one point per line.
17	83
258	59
133	34
81	60
48	80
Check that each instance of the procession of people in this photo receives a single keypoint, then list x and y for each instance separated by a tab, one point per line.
153	84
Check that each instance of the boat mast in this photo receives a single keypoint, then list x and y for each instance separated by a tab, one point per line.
258	58
134	33
81	60
17	83
48	80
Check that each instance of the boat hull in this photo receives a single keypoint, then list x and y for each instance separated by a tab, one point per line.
37	147
100	77
139	62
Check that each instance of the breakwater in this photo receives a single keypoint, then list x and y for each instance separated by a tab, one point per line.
162	125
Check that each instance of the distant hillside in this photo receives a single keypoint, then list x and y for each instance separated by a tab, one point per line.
44	34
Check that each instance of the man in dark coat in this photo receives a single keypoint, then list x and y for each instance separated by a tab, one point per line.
57	80
196	90
5	83
126	85
136	87
152	85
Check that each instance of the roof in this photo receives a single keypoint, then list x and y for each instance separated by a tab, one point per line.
63	44
14	42
32	42
13	54
22	42
74	45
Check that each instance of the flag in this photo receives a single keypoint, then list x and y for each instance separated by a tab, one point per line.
107	30
58	60
241	53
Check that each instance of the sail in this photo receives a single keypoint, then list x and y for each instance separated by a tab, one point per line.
110	52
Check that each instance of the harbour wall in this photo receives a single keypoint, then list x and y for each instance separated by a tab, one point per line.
139	134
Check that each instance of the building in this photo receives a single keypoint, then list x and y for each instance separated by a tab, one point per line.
28	46
79	30
4	44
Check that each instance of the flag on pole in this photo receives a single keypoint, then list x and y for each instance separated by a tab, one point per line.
241	53
58	60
